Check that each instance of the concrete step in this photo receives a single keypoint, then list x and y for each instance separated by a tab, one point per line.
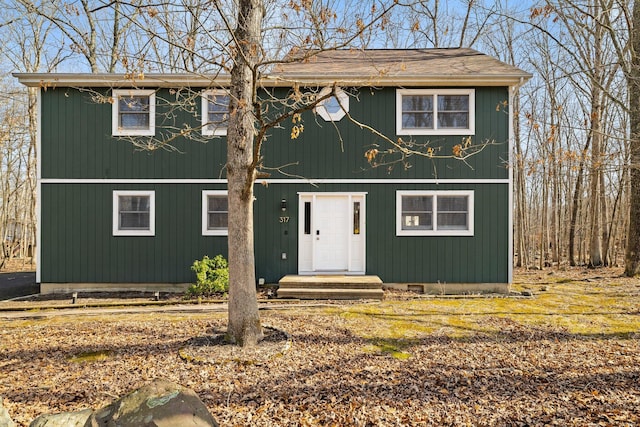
341	294
335	281
330	287
324	285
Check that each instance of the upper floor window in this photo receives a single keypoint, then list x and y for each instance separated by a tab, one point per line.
133	112
133	213
435	112
437	213
215	112
333	108
215	213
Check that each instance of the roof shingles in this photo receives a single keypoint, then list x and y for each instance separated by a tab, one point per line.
459	62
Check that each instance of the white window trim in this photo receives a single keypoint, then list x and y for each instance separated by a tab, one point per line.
206	130
205	216
435	195
435	131
343	100
116	213
116	130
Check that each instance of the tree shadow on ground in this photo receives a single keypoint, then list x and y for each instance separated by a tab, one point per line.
515	374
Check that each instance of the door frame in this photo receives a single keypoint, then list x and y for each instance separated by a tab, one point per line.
356	242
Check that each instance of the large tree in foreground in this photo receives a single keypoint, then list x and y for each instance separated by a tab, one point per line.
244	321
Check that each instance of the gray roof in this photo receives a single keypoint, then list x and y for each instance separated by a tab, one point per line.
404	65
371	67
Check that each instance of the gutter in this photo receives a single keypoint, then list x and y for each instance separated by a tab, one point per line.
520	83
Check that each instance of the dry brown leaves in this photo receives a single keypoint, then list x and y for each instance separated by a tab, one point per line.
17	264
524	375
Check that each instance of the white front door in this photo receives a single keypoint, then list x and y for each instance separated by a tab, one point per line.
331	233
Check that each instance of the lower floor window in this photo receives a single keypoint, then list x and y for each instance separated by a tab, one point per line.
421	213
215	213
133	213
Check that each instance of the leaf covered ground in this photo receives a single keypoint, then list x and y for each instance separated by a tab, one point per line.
570	355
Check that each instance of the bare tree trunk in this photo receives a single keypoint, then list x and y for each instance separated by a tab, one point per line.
544	221
244	320
31	172
595	228
604	222
611	232
632	255
521	228
554	238
575	205
595	240
4	197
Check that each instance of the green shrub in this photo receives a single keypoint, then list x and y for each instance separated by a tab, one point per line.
212	277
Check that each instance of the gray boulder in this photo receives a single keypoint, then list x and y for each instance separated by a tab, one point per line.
5	419
160	403
63	419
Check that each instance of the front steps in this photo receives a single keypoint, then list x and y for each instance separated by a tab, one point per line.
330	287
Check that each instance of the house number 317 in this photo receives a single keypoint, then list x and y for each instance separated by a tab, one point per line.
284	219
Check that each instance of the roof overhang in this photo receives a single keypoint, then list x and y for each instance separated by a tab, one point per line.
51	80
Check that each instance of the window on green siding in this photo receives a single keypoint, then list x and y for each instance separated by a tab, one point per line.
334	108
133	213
417	112
417	212
215	213
453	111
215	112
133	112
435	112
453	212
434	213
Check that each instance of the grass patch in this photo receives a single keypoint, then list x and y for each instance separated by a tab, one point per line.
575	307
393	348
90	356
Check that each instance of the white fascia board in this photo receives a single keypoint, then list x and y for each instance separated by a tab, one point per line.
121	81
346	80
273	80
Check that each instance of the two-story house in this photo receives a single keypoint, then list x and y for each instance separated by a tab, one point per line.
112	215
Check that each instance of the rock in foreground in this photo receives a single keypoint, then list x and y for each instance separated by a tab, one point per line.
160	403
5	419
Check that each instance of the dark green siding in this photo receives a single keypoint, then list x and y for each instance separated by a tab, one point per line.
319	149
480	258
78	246
77	143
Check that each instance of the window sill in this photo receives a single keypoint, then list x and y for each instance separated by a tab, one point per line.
134	233
461	132
132	132
461	233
